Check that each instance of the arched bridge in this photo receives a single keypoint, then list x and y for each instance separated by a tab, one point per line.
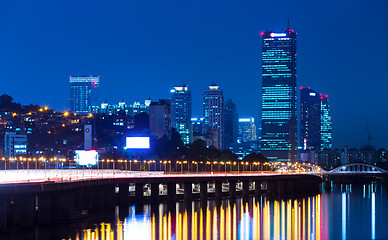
357	168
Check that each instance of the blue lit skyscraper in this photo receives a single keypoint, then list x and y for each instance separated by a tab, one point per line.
84	94
310	119
181	112
213	112
279	129
326	127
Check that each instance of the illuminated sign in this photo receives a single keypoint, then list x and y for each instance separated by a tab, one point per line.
137	143
246	120
312	94
86	158
278	34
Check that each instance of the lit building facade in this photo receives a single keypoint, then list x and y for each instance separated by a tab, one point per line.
279	122
181	108
213	112
14	145
230	123
84	94
326	124
310	119
247	130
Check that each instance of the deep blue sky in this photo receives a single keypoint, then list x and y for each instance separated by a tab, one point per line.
143	48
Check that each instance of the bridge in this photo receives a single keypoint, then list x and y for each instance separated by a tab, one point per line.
45	196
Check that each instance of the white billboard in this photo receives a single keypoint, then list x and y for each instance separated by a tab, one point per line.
86	158
137	143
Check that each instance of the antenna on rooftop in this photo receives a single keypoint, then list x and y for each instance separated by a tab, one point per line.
288	25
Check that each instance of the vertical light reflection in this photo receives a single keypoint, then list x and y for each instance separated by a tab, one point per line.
234	222
295	217
165	233
194	228
266	221
201	224
247	222
373	217
208	224
102	231
169	225
185	226
119	231
308	218
222	222
179	226
303	219
343	216
283	220
228	223
254	221
289	219
318	217
276	216
215	215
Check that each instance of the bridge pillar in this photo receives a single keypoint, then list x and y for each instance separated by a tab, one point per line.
3	214
218	190
188	191
245	190
271	188
124	194
203	190
281	188
24	210
109	196
97	200
44	208
257	188
154	192
290	189
232	189
171	192
139	192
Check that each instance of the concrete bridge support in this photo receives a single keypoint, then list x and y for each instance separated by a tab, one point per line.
139	192
245	190
3	214
203	190
44	208
97	200
258	189
154	192
188	191
218	190
232	189
24	210
124	194
171	192
109	196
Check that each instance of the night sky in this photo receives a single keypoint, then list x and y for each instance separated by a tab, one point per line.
141	49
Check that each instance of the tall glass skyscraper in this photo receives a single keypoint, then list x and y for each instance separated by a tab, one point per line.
326	125
213	112
84	94
181	112
279	129
230	123
310	119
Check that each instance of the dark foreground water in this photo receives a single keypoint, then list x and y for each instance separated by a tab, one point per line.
347	212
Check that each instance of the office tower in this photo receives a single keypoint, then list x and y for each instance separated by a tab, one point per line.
230	123
160	118
326	125
247	130
181	112
14	145
84	94
279	139
310	119
213	113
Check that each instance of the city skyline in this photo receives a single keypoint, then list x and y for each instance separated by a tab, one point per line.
47	59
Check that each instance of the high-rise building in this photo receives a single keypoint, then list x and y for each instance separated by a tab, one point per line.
14	145
326	125
160	118
181	112
230	123
310	119
213	112
247	130
279	126
84	94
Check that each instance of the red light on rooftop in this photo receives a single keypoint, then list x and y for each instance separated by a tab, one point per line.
301	88
90	75
326	95
309	87
262	33
70	76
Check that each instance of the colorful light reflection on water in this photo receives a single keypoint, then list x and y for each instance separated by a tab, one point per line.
353	213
